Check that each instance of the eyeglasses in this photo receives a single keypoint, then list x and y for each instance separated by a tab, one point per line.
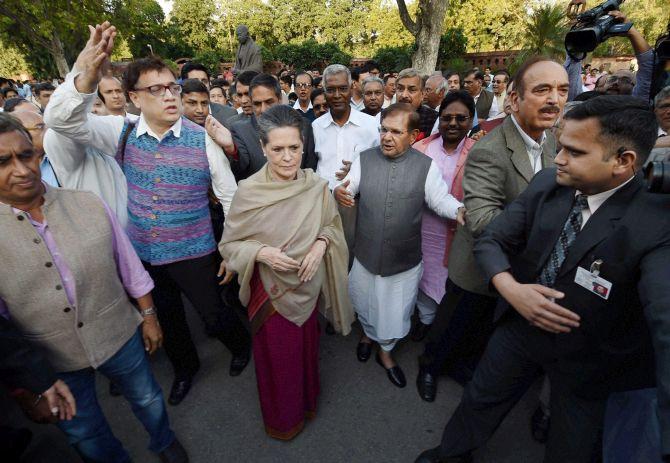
303	85
460	118
334	90
320	106
622	79
159	89
396	133
663	107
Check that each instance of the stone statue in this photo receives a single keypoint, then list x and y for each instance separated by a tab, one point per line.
248	54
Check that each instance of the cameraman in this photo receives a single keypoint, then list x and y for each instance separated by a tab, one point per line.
622	82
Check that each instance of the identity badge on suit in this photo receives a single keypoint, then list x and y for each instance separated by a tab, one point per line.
497	170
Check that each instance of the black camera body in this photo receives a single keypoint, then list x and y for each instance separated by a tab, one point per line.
657	174
593	27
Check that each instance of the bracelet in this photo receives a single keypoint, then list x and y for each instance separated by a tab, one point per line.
148	311
325	241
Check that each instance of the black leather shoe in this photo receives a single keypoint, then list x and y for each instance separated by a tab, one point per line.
433	456
179	391
114	389
175	453
238	363
363	351
420	331
395	374
539	425
426	384
330	329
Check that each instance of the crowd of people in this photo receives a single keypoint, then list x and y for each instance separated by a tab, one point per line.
502	220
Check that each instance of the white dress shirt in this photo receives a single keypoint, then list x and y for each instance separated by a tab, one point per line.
533	148
82	162
598	199
297	106
69	115
334	144
496	106
436	197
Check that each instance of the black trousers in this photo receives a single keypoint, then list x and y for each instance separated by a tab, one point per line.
515	357
462	327
196	278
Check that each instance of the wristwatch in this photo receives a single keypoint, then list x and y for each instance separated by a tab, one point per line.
148	311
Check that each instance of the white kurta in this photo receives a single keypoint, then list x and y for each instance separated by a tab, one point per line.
385	304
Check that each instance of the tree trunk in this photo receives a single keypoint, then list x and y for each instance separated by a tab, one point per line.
427	30
58	54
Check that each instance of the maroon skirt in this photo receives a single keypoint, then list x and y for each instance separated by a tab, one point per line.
286	357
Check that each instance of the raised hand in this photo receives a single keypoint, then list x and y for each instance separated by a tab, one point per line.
220	134
94	58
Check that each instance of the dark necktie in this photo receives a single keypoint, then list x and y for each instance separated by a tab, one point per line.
572	226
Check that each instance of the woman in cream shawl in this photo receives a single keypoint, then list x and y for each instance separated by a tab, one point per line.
283	237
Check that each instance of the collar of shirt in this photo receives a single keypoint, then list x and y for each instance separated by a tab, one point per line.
327	119
531	145
297	106
662	133
143	127
597	200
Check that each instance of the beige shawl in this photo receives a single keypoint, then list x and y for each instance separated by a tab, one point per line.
289	216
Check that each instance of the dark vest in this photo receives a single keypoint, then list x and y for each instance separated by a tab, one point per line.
388	229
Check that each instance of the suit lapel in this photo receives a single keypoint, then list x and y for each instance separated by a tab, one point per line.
519	154
601	224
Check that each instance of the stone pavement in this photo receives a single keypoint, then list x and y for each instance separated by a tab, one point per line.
362	417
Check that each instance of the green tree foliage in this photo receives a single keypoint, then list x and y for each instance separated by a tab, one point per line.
311	55
193	20
394	59
57	27
12	61
489	25
650	17
211	59
453	44
545	32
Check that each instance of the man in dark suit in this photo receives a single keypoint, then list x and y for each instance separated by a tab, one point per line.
582	259
242	144
498	168
474	84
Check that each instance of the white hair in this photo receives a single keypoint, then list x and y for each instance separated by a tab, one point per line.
334	69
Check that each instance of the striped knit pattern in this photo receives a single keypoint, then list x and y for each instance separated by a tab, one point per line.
168	213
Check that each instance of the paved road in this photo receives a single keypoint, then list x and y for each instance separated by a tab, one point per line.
362	417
